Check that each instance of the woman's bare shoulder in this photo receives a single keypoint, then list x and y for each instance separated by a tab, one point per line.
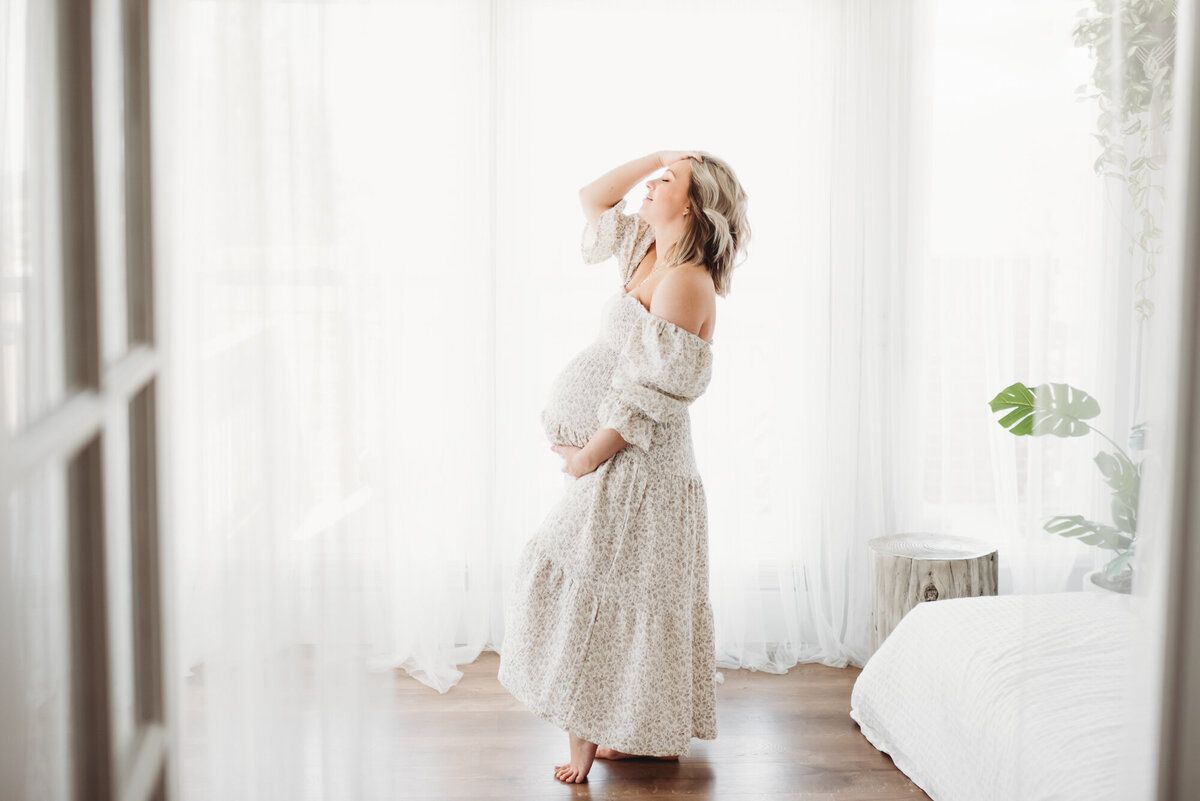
686	297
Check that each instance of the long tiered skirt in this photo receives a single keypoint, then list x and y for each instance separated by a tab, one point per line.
608	623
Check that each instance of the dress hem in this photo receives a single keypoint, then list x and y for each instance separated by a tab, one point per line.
592	736
542	559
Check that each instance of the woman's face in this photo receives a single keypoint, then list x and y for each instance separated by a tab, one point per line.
667	194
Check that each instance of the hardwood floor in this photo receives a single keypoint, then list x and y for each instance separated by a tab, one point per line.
778	737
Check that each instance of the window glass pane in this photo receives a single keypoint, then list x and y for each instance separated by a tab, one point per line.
32	357
119	566
108	78
35	665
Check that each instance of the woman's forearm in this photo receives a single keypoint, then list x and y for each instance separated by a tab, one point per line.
611	187
603	445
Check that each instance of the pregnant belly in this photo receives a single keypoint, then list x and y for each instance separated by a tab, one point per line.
569	416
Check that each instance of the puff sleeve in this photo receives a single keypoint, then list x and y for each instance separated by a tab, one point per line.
616	233
660	370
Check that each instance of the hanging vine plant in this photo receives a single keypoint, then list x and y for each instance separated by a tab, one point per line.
1132	83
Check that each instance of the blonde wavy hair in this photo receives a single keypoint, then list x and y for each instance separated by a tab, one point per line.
719	231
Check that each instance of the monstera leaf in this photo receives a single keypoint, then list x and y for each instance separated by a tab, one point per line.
1058	409
1076	527
1126	480
1062	410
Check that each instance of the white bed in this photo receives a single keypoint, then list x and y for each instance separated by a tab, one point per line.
1005	698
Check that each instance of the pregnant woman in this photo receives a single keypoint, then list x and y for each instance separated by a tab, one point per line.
608	624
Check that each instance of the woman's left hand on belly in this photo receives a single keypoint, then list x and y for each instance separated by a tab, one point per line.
576	462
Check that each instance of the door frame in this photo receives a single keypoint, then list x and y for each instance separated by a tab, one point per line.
76	432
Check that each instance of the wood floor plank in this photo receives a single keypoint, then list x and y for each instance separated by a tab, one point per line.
778	737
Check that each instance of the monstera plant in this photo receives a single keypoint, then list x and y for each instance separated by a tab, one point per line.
1061	410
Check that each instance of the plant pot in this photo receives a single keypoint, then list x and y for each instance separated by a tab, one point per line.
1096	582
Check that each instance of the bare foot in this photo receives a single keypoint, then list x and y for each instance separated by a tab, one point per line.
612	753
582	754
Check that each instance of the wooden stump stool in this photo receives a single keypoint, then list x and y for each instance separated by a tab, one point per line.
907	569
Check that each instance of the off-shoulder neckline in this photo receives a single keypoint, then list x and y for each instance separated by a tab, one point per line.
638	260
664	320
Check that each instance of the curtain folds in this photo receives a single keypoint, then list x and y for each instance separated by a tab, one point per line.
367	217
830	352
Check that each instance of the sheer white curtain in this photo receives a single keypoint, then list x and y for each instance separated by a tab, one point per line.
1018	283
324	212
367	217
803	439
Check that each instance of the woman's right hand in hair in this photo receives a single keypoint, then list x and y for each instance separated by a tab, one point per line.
668	157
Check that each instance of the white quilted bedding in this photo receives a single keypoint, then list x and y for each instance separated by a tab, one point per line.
1004	698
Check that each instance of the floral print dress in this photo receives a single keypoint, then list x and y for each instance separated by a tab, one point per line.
608	623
